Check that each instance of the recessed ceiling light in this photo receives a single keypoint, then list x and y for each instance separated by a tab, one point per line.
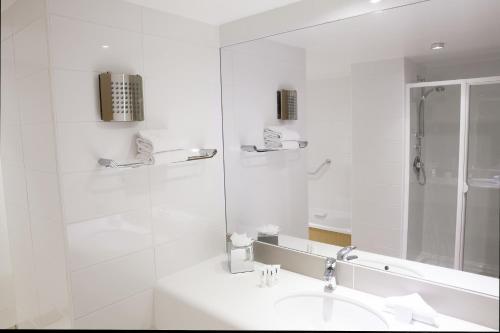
105	46
375	1
437	46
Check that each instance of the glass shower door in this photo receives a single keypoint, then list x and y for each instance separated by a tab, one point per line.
435	116
482	201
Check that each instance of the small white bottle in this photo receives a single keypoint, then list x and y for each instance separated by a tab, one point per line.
270	276
262	277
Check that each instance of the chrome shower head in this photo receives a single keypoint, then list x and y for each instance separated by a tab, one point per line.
428	92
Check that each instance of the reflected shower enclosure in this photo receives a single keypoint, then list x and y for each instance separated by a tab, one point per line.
453	174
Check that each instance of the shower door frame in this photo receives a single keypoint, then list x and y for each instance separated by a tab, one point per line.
462	187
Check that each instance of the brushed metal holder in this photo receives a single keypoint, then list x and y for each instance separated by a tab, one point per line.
202	154
255	149
121	97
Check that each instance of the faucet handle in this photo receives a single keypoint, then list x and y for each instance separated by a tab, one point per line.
330	263
343	252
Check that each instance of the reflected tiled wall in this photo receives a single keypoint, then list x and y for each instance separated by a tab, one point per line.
377	155
106	235
263	188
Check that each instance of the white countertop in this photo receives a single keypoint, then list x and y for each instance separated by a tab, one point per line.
237	301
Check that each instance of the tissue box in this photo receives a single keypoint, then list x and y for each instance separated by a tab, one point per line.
240	259
266	238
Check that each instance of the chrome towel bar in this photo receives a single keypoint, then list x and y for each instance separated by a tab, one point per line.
202	154
255	149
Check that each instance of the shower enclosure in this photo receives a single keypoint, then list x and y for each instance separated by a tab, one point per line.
452	174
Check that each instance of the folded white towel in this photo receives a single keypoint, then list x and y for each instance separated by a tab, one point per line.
411	307
280	133
282	145
164	158
155	141
239	240
289	144
158	147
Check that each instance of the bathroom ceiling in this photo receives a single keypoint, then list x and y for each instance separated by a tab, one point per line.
215	12
470	30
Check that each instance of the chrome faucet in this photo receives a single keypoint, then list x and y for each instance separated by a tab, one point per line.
330	274
343	253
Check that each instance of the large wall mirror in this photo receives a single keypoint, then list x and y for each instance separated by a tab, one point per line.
396	145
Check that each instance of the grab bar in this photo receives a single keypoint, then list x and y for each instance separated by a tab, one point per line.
202	154
325	162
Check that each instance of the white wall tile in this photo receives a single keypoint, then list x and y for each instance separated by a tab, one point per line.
22	263
124	54
377	181
179	28
82	144
9	112
43	194
182	253
133	313
11	144
107	192
14	184
172	224
20	14
180	61
115	13
30	49
112	281
8	299
76	96
39	147
105	238
171	105
50	267
34	98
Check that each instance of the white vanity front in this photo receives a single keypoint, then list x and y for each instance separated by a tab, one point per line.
207	296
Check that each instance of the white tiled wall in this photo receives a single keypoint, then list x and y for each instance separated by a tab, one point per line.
29	169
8	299
329	128
263	188
377	155
110	233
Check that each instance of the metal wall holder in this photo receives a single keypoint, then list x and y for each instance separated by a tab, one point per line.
255	149
202	154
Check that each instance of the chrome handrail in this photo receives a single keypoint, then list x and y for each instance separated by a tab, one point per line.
325	162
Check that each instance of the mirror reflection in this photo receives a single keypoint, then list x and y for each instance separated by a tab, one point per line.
380	131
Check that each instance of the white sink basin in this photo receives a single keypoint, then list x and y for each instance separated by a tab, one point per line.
389	267
321	311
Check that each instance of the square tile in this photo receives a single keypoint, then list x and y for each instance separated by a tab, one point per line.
88	195
109	237
112	281
123	54
31	49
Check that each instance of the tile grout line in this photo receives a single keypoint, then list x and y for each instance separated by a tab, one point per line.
121	300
